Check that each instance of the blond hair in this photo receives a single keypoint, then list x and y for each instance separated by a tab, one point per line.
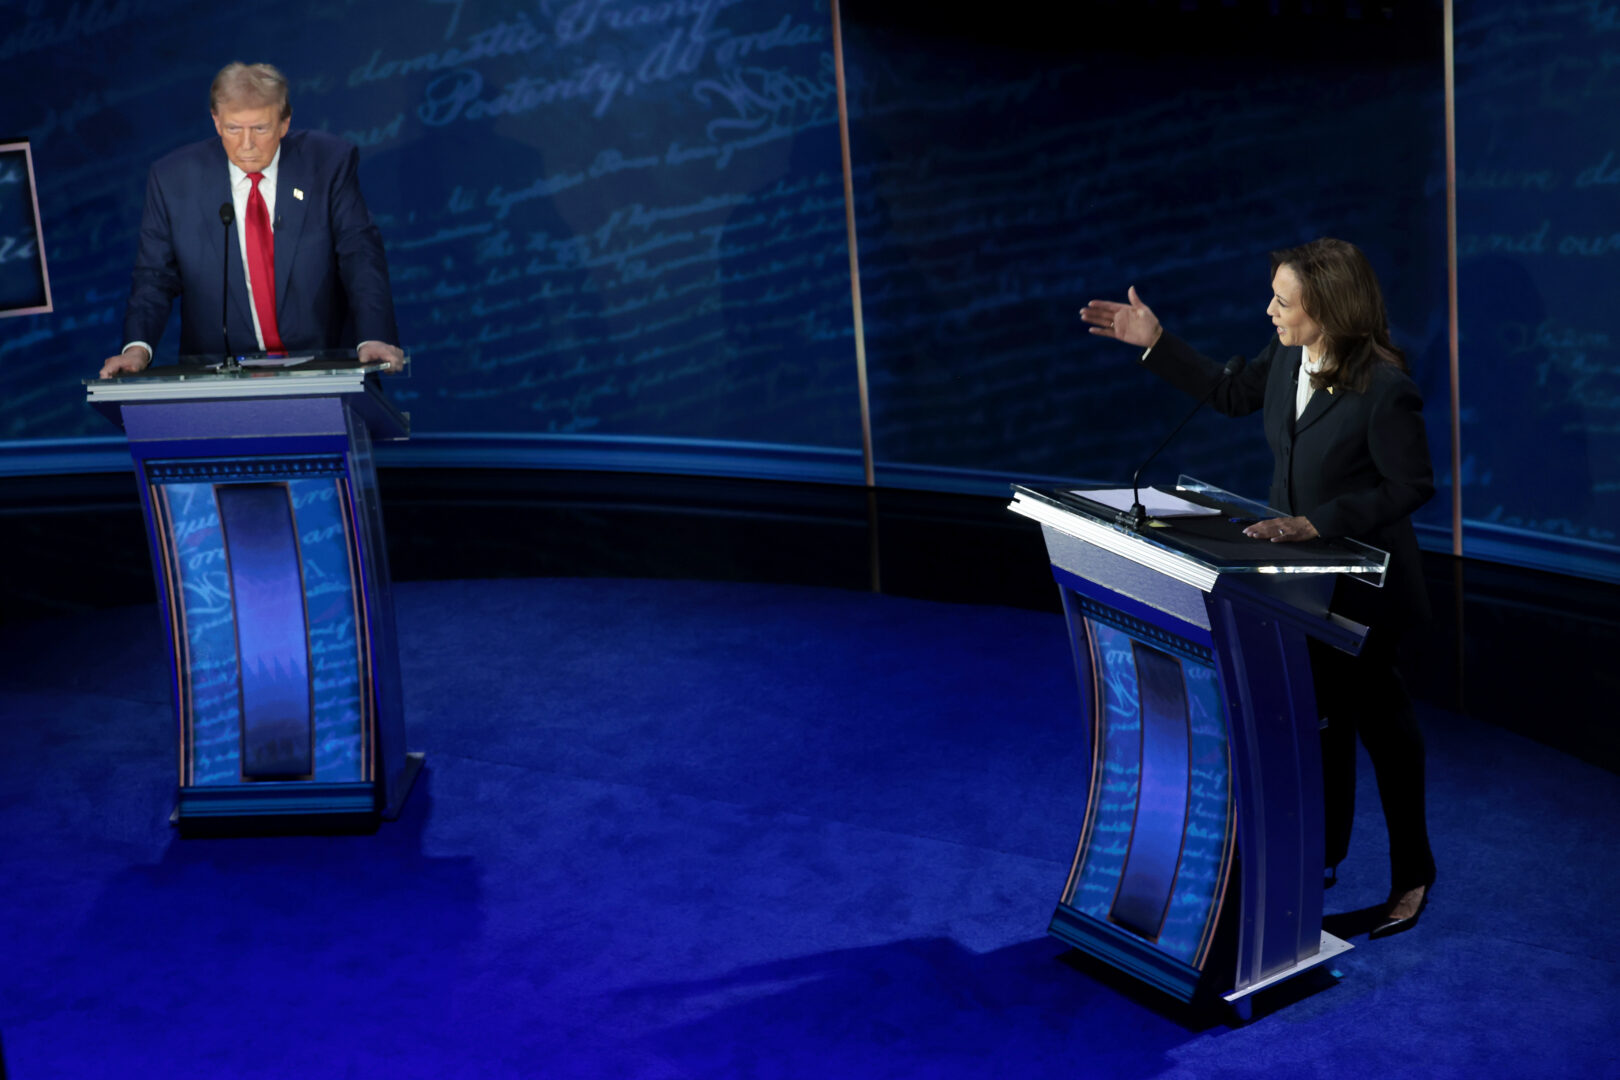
251	86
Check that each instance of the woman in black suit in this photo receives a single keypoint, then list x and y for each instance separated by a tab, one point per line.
1345	424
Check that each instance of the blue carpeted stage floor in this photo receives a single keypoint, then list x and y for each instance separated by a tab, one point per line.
678	829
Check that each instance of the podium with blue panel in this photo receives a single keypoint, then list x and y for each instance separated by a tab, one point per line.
261	507
1200	862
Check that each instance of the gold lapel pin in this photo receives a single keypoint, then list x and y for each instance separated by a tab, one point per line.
298	193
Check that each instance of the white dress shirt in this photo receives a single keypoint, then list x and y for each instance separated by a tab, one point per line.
1308	365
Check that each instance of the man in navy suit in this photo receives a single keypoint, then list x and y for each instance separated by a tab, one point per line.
281	216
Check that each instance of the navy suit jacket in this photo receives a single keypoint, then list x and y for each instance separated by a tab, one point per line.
1354	464
331	275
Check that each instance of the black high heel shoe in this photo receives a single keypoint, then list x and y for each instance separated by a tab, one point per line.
1392	926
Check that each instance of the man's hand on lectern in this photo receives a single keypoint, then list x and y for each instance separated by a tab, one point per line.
375	352
128	362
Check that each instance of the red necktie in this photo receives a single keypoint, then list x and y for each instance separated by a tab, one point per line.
261	253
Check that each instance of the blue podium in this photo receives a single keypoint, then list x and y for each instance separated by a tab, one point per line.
260	498
1199	865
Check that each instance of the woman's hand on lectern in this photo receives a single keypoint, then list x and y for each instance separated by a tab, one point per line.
1282	530
1132	322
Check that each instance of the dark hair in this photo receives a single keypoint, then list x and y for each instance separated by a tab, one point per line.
250	86
1337	288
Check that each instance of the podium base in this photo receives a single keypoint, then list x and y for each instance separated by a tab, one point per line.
291	808
1332	948
413	766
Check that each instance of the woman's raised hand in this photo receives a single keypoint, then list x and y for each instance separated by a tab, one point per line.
1133	323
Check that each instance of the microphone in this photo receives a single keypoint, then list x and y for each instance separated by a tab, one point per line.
227	218
1136	516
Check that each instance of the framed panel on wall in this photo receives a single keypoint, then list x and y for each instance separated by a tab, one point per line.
25	283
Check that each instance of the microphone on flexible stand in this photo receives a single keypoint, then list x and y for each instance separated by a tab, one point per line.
1136	516
227	218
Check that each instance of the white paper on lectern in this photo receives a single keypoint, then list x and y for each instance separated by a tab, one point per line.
1157	503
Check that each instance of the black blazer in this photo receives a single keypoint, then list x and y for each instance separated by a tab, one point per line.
1354	464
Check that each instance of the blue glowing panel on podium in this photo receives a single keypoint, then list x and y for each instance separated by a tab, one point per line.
1159	829
272	645
343	706
269	628
206	637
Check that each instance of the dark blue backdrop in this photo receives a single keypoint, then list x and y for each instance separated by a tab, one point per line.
621	222
1006	174
1538	211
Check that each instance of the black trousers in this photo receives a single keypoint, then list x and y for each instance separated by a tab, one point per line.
1364	695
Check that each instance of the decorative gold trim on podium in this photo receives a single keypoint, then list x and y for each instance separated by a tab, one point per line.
1095	784
180	638
1225	872
362	637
